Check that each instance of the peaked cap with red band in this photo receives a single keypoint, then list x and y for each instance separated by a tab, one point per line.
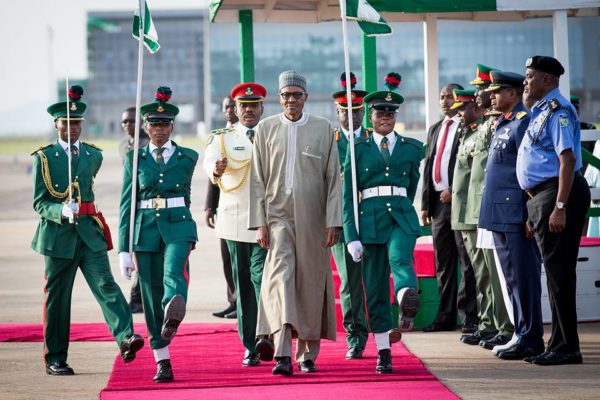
483	77
341	98
248	92
462	97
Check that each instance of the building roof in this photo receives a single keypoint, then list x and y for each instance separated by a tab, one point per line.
313	11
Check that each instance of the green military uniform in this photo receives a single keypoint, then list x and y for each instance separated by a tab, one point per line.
352	294
164	233
388	222
493	314
488	282
69	246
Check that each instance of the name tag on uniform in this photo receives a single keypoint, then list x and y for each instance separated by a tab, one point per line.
239	148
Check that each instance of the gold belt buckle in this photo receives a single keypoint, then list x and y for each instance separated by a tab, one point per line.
159	202
385	190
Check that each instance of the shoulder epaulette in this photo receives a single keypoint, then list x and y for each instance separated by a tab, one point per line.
193	154
521	114
220	131
361	140
92	145
337	134
413	141
41	148
554	105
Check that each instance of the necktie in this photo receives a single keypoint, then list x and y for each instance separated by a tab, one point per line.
250	134
385	150
74	157
159	157
437	168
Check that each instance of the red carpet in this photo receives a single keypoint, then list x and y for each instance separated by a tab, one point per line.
207	365
97	331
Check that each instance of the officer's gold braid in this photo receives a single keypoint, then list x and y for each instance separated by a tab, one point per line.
48	180
245	167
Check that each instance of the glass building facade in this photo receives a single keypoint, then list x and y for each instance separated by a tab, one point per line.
112	68
315	50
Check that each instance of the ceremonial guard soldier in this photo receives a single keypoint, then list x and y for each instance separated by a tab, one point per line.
72	234
165	233
548	169
387	174
351	289
227	164
495	309
503	212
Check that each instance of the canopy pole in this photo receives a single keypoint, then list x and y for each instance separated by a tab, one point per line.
560	36
369	68
246	46
431	66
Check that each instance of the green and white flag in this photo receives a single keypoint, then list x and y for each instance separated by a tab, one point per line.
369	20
150	34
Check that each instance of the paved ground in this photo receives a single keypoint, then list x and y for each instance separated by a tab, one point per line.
470	372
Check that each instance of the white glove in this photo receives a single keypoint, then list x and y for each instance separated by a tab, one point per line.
126	264
355	249
69	210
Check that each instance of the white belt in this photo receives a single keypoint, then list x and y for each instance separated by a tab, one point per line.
161	202
383	191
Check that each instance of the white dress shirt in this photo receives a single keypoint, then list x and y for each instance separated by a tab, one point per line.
391	140
446	155
168	150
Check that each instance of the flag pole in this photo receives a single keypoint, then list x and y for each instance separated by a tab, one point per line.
350	120
136	136
69	155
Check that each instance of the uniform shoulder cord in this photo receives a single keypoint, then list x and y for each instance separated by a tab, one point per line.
245	167
48	180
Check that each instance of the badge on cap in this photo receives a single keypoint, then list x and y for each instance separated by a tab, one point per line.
388	97
73	107
249	91
160	108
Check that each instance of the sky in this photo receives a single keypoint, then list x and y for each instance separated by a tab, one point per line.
32	63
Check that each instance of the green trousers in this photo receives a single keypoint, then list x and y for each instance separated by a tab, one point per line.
378	259
162	275
60	275
247	262
352	297
490	303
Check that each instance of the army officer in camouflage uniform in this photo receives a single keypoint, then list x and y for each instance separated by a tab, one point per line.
387	174
165	233
74	235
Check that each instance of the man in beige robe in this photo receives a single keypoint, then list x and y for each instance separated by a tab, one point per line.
295	199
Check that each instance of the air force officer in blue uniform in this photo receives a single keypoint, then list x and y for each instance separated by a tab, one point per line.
503	211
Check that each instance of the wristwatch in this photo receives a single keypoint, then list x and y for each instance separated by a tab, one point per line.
560	205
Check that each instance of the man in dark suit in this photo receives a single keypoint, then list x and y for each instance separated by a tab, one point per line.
442	145
210	210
